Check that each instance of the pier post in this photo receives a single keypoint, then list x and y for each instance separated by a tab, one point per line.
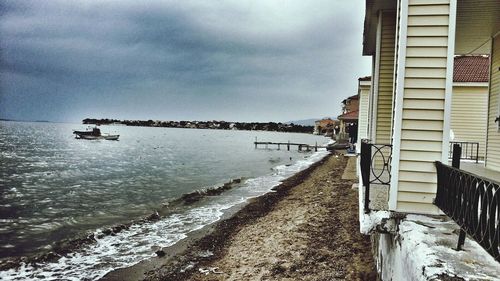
300	147
288	146
255	142
316	147
279	146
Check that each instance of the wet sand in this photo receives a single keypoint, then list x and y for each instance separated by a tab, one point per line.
306	230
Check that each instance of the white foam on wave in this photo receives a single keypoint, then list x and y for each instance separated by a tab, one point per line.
258	186
135	244
121	250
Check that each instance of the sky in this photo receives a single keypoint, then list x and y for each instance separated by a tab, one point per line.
255	60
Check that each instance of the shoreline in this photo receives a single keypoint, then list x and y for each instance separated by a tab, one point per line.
73	244
210	253
210	124
65	247
190	247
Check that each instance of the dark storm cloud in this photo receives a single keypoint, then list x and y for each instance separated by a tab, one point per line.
234	60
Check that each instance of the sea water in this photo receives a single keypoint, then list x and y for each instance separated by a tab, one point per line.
54	187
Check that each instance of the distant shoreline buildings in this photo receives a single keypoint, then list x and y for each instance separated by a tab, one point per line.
326	126
215	125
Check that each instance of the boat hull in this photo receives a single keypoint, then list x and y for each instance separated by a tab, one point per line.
111	137
102	137
94	134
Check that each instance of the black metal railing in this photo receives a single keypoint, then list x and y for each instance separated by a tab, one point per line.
470	150
375	167
473	202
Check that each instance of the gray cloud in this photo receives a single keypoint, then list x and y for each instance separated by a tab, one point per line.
234	60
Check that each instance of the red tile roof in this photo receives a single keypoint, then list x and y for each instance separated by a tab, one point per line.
354	97
351	115
471	69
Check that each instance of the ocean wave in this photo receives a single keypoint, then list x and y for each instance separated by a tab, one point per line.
64	247
197	195
94	255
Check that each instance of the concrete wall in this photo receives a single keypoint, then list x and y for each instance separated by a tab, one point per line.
422	249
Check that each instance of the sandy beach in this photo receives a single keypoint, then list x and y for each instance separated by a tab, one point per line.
306	230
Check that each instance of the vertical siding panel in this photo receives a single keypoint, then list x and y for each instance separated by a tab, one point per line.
424	76
364	92
386	79
493	143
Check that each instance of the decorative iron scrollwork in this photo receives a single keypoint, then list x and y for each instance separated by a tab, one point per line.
383	152
375	167
473	202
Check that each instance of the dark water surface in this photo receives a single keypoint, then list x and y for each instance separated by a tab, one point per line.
53	187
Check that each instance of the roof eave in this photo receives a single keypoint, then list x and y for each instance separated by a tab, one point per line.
372	7
471	84
368	36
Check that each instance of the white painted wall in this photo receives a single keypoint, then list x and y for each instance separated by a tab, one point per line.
364	96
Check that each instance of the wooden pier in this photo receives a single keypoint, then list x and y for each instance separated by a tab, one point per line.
300	146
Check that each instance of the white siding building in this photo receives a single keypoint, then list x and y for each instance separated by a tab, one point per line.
413	45
364	88
469	106
416	101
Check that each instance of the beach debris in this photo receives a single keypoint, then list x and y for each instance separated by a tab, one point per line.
205	254
204	271
274	160
160	253
187	267
208	270
197	195
119	228
153	217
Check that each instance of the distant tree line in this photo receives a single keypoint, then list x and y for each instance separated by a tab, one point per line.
221	125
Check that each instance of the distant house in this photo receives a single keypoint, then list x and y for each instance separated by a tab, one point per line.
469	106
324	126
349	118
350	104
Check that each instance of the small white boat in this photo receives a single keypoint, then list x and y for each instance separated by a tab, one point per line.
102	137
94	134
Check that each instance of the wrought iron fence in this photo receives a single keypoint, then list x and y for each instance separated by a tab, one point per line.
473	203
470	150
375	167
